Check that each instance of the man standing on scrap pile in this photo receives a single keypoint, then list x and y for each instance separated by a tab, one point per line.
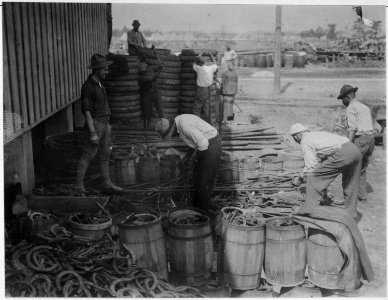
205	75
229	56
135	38
148	76
205	145
360	132
326	155
97	129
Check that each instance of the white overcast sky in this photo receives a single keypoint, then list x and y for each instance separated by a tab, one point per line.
241	17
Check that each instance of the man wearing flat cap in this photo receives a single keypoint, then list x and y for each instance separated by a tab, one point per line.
97	129
135	37
326	155
360	131
205	145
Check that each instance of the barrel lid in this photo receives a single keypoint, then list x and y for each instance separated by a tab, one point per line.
282	224
145	218
196	214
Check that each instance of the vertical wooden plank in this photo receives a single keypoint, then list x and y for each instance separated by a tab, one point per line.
34	60
6	73
57	66
39	52
65	61
79	46
75	34
20	65
68	57
84	49
46	69
51	57
60	53
71	41
27	53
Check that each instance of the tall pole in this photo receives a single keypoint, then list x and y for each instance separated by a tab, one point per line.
277	64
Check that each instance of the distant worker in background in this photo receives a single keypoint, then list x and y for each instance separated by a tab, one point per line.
135	38
149	91
326	155
205	151
97	129
360	131
205	74
229	56
229	91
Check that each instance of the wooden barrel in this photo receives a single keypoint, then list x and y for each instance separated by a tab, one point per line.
147	243
90	231
190	249
240	255
285	252
269	59
250	60
271	165
169	167
228	170
242	62
261	61
148	169
288	60
300	59
248	168
325	262
125	171
228	107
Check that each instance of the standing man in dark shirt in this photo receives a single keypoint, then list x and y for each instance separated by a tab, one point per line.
97	129
148	81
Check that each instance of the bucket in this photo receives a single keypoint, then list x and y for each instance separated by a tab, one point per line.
325	261
269	60
190	248
147	242
169	167
271	165
125	171
261	61
285	252
288	60
240	255
148	169
91	231
228	107
300	60
228	170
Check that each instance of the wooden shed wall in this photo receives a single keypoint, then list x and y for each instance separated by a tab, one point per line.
46	50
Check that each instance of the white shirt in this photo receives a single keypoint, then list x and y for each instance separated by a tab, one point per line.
194	131
229	55
205	74
359	118
319	144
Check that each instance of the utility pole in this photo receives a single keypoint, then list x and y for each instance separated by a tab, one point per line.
277	64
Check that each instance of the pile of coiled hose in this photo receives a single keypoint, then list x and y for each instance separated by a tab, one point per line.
237	216
187	217
70	266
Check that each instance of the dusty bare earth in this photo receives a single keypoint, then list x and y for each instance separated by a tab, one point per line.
310	96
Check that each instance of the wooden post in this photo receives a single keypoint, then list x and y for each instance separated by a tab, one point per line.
27	177
277	63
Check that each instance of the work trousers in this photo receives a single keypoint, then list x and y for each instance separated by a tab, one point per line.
149	97
89	150
202	103
205	171
346	161
365	143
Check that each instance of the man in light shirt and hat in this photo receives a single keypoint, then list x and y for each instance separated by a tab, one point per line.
360	131
205	143
135	37
326	155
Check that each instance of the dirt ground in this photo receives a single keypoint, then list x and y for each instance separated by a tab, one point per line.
310	96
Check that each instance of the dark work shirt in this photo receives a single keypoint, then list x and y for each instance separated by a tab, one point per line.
148	79
93	99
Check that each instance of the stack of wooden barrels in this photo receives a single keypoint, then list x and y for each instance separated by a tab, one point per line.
169	82
123	90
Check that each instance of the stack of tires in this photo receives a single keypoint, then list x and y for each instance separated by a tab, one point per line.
123	92
169	82
189	81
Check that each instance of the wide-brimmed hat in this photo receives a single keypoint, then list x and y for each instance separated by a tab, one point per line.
296	128
136	22
98	61
346	90
162	125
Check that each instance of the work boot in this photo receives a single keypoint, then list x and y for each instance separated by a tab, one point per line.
107	184
81	171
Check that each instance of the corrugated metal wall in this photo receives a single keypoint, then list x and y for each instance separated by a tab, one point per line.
46	50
